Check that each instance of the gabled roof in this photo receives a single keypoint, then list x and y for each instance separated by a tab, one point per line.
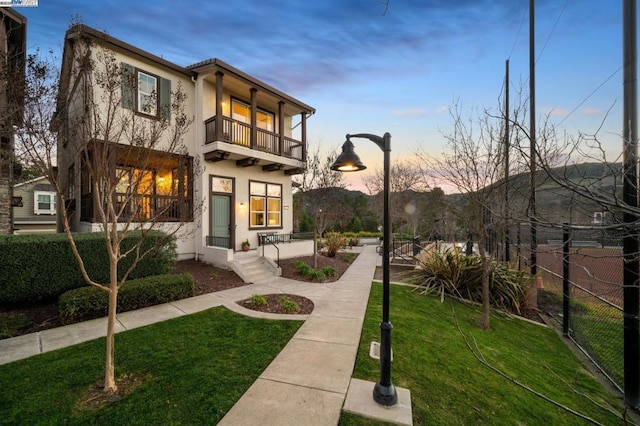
80	30
30	181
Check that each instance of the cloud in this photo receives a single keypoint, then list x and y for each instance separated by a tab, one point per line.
296	46
559	112
410	112
590	112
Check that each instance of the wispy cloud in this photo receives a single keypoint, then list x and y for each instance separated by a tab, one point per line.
559	112
293	45
590	112
410	112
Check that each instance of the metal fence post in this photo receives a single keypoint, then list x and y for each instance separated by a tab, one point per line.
566	301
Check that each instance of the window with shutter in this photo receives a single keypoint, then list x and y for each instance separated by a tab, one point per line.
145	93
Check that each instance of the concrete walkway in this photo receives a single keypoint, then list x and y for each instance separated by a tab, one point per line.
306	383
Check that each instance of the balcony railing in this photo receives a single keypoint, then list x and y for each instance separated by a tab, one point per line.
239	133
161	208
216	241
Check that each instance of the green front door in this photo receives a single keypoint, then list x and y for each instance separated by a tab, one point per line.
221	220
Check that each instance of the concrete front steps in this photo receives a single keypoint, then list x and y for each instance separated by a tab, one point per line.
253	268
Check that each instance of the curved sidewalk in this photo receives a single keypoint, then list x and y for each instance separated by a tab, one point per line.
305	384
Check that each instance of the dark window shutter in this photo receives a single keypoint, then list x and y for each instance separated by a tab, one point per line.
165	98
128	86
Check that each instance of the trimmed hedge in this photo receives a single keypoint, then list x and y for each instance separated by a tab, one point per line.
90	302
41	267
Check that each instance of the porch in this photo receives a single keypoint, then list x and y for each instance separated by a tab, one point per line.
218	253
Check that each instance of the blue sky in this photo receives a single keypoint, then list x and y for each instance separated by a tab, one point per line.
368	71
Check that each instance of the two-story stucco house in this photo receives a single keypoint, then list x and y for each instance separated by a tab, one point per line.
246	142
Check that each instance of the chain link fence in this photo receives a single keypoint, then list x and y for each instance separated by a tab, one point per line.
595	289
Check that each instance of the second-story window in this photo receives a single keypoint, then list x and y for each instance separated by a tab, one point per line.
241	111
147	94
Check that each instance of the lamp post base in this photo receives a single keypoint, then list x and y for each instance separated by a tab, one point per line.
385	395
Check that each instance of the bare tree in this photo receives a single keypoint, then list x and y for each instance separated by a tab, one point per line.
405	181
473	163
321	195
136	170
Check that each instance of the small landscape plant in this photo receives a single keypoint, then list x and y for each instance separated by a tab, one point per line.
258	299
334	241
287	304
329	271
10	325
315	275
348	258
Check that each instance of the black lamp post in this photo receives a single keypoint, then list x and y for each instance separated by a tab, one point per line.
384	393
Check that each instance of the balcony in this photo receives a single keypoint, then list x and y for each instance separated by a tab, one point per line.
282	152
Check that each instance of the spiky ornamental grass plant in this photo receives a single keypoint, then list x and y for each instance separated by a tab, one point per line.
450	272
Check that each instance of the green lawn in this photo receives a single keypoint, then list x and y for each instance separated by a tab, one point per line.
449	386
195	368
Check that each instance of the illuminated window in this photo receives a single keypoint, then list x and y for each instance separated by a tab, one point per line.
266	205
241	111
161	192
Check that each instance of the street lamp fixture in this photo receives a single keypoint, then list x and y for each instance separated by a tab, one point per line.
384	393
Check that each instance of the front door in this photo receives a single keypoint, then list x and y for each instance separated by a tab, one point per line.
221	220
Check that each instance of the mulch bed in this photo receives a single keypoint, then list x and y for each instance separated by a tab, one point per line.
207	278
273	305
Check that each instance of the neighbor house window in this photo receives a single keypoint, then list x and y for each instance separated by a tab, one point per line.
266	205
44	202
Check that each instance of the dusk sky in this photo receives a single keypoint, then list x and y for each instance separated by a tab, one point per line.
367	71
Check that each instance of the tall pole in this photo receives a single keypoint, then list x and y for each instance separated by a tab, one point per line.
384	392
507	249
630	242
532	140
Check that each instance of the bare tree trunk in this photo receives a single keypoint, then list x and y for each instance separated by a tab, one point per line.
486	307
315	249
109	371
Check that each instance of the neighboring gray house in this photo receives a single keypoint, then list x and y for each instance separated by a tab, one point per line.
35	212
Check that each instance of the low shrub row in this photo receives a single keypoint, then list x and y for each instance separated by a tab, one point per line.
41	267
90	302
315	275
